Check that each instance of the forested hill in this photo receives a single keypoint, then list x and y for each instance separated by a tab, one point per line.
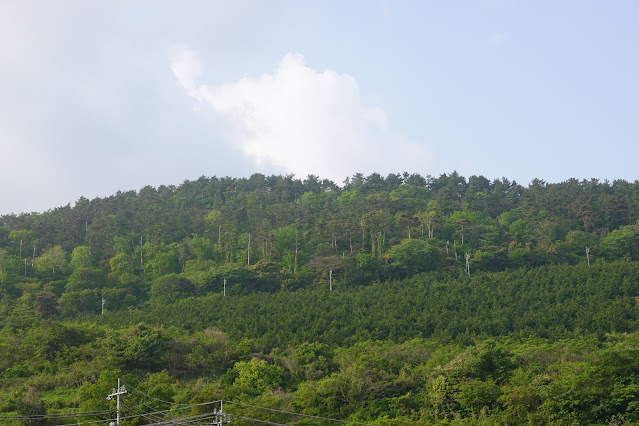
288	231
398	300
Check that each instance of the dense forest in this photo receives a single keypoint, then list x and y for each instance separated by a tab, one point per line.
397	300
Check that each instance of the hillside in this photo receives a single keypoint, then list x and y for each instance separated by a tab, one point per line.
453	300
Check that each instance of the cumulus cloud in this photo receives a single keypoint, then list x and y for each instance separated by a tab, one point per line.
303	121
186	67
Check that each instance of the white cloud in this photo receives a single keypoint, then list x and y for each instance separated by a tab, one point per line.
302	121
185	66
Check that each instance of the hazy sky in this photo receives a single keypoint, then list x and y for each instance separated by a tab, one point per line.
101	96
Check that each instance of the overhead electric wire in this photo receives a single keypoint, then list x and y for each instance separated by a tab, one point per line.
266	422
201	417
156	412
155	416
189	419
298	414
141	412
91	422
163	411
155	409
56	415
129	387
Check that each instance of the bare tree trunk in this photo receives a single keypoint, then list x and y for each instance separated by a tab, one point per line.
373	238
296	248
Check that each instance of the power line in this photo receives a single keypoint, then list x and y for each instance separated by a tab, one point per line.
155	416
204	416
56	416
91	422
141	412
169	410
218	415
298	414
256	420
158	399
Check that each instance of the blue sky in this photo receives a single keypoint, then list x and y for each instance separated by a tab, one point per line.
97	97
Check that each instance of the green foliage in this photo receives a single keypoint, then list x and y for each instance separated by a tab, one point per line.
255	376
414	256
82	301
170	287
121	264
52	259
535	335
367	267
46	304
202	248
519	231
81	258
622	242
84	278
22	241
161	260
136	347
31	405
237	278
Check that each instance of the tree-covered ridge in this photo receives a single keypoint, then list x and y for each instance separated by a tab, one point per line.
453	300
295	230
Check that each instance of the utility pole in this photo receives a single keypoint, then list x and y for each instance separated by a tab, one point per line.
330	279
121	390
220	417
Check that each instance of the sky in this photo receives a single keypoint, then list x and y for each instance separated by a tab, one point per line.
98	97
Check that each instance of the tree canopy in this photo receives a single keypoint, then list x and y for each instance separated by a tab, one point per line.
453	300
